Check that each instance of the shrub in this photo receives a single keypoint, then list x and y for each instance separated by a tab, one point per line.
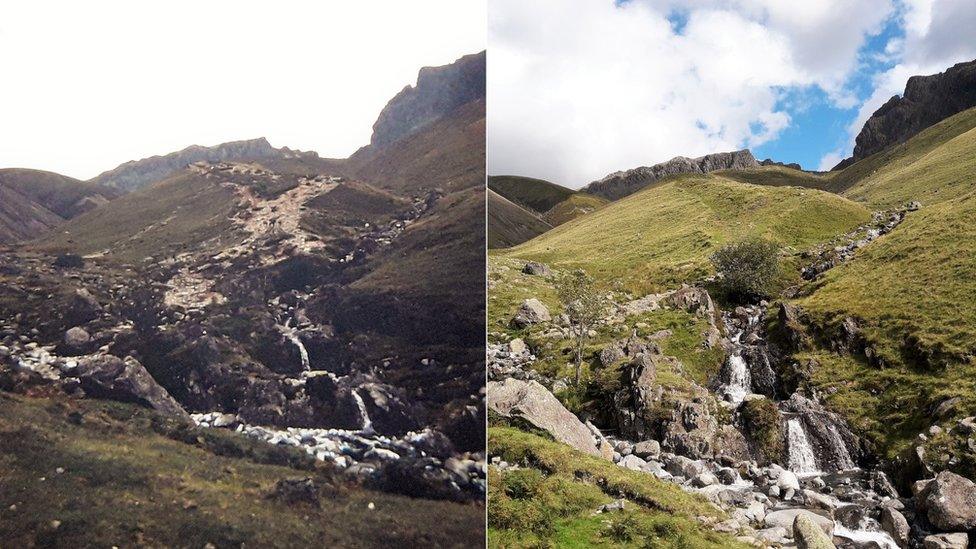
761	419
747	269
69	261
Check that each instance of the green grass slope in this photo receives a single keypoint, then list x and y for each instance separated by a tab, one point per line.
778	176
82	473
661	236
158	221
510	224
574	206
551	499
537	195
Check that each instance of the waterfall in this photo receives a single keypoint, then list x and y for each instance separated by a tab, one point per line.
367	425
801	459
292	335
843	457
737	373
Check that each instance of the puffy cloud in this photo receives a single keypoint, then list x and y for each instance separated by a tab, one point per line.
580	88
937	35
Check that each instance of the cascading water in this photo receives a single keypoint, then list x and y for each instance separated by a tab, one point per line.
291	334
801	458
365	423
738	385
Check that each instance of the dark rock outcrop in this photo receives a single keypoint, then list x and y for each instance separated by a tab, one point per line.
926	101
620	184
126	380
138	173
439	90
771	162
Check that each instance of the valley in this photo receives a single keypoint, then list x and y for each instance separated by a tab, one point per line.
270	317
834	411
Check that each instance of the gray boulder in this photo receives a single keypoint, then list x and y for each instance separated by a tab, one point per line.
532	311
785	518
949	502
896	525
647	449
959	540
532	402
537	269
77	339
632	462
126	380
808	534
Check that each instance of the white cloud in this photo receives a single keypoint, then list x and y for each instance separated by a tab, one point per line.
937	35
580	88
88	85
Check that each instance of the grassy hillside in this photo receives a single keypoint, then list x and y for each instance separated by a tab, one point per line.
81	473
160	220
551	499
65	196
538	195
936	165
574	206
510	224
777	176
661	236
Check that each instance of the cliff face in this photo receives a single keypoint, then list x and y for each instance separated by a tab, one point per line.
927	100
138	173
620	184
439	91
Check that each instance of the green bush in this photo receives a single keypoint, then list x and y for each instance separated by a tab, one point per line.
747	269
762	421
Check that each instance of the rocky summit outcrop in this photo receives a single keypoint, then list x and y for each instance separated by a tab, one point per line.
439	90
138	173
927	100
531	402
620	184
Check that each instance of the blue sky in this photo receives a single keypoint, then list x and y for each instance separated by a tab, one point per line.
578	89
818	126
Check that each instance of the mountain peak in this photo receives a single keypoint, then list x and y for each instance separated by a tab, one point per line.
622	183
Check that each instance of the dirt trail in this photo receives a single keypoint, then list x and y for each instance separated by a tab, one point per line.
272	231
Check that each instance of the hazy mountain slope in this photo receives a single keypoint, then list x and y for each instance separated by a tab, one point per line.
158	221
926	100
664	235
620	184
535	194
22	218
65	196
510	224
138	173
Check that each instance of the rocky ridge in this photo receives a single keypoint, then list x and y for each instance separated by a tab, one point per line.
927	100
620	184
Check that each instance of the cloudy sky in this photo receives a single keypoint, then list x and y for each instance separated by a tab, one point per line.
89	85
580	88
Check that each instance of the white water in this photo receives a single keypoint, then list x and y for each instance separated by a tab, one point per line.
739	384
844	461
801	459
864	536
367	425
292	335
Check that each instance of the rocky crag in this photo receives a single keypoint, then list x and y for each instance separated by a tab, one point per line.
620	184
927	100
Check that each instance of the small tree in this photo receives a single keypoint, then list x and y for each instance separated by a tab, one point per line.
584	306
748	269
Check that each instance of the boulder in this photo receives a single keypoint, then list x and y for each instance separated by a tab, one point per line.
296	491
537	269
632	462
785	518
532	402
517	346
77	339
81	307
108	376
949	502
704	479
692	299
532	311
896	525
787	480
647	449
809	535
959	540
